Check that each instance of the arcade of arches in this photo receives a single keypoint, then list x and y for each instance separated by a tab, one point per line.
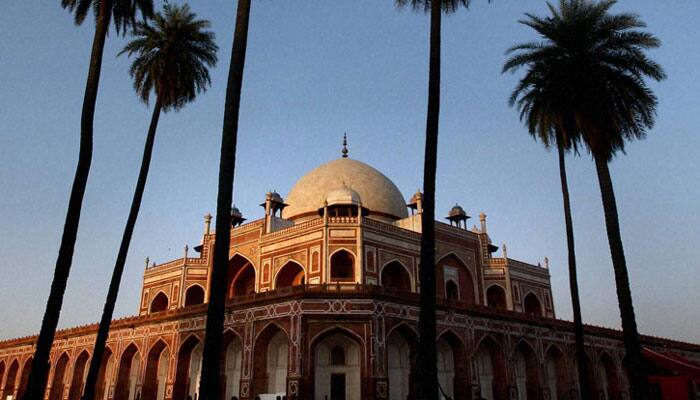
338	367
322	304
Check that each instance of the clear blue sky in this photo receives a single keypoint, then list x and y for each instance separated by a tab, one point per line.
314	70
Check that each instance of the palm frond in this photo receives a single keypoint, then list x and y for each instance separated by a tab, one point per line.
172	55
584	81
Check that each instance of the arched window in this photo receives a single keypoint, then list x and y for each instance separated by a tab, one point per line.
338	356
240	277
496	297
451	291
395	276
291	274
194	295
532	305
342	267
159	303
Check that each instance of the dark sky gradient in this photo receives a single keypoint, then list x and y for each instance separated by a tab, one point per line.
316	69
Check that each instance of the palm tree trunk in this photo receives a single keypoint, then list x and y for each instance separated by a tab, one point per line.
36	383
209	386
581	359
108	311
634	360
427	352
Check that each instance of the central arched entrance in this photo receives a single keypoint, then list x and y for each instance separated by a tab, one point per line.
337	372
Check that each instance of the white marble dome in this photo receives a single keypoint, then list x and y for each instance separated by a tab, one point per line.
377	192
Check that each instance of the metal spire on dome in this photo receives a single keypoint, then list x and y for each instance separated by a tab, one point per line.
345	145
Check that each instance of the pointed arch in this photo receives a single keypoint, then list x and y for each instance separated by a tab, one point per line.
394	274
59	373
401	351
555	368
188	367
160	302
79	375
10	382
290	274
194	295
157	362
452	365
527	367
337	351
532	305
342	266
451	267
271	349
106	374
609	378
231	364
24	378
241	276
496	297
128	371
491	369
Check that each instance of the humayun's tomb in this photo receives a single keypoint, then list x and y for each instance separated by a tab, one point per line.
323	304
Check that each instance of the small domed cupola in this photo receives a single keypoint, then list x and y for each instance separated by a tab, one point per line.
343	195
457	217
343	202
416	203
236	217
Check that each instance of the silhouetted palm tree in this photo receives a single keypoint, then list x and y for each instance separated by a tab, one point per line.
173	54
209	386
544	107
600	59
123	13
426	364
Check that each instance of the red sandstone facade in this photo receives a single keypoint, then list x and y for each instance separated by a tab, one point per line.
322	304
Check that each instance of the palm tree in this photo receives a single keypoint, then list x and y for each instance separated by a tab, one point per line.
209	386
427	351
599	58
173	54
543	105
123	13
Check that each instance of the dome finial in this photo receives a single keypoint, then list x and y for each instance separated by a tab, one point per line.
345	145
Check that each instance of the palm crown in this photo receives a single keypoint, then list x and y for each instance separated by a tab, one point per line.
586	77
447	5
173	56
124	11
